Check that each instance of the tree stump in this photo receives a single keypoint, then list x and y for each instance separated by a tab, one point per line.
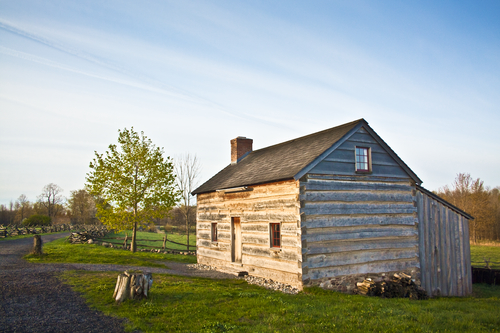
132	285
37	245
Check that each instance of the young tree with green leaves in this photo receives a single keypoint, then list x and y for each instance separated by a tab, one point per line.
133	182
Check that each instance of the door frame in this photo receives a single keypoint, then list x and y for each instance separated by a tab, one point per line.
236	241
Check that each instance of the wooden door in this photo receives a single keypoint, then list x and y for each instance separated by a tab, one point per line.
236	239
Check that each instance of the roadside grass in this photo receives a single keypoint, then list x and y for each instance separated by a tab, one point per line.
63	252
154	237
30	236
480	252
186	304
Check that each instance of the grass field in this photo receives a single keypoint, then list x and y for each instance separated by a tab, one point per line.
61	251
183	304
480	252
154	239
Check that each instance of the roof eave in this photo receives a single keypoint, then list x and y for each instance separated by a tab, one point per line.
444	202
389	150
244	185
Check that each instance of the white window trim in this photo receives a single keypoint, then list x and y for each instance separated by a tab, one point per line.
369	155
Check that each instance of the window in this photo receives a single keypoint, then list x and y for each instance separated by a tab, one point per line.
363	161
275	235
214	232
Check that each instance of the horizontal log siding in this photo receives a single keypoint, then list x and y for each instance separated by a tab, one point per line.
357	226
444	249
265	204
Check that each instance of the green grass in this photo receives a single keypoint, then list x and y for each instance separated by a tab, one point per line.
154	236
63	252
479	252
183	304
30	236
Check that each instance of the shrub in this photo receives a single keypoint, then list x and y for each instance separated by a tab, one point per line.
37	220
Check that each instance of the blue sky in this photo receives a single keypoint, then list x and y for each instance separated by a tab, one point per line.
193	75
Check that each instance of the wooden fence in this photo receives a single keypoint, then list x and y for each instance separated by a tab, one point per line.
486	275
165	240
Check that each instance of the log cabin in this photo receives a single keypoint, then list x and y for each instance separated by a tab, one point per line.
330	208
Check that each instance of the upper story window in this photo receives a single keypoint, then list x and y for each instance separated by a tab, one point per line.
214	232
275	235
363	159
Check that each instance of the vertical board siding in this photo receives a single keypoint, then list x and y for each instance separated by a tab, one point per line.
357	226
444	249
264	204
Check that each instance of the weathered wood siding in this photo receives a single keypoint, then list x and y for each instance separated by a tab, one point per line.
341	160
357	225
270	203
444	249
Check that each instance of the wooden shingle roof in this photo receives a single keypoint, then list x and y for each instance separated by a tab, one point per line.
279	162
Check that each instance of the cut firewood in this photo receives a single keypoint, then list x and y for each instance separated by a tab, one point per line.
399	285
132	285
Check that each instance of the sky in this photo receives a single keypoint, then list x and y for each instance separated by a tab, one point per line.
195	74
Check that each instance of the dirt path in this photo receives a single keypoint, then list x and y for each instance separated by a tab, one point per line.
32	299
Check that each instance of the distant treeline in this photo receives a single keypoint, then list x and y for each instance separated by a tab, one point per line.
79	208
466	193
478	200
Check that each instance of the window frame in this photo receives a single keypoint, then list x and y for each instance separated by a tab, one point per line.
368	159
214	232
272	235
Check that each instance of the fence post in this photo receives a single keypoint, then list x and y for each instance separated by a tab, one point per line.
164	242
125	242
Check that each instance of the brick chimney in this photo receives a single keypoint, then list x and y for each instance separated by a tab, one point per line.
239	147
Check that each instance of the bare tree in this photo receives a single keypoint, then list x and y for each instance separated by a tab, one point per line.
82	207
473	197
23	207
12	212
51	199
187	170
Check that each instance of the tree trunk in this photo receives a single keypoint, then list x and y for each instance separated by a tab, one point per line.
132	286
133	246
37	245
187	226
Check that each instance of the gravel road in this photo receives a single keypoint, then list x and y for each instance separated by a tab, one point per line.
32	299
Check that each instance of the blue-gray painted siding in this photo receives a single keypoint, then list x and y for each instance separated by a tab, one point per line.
444	249
357	226
342	160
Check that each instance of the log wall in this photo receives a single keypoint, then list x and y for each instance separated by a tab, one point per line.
444	248
264	204
357	225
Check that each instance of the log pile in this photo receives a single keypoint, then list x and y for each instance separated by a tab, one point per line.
400	285
84	236
132	285
79	237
